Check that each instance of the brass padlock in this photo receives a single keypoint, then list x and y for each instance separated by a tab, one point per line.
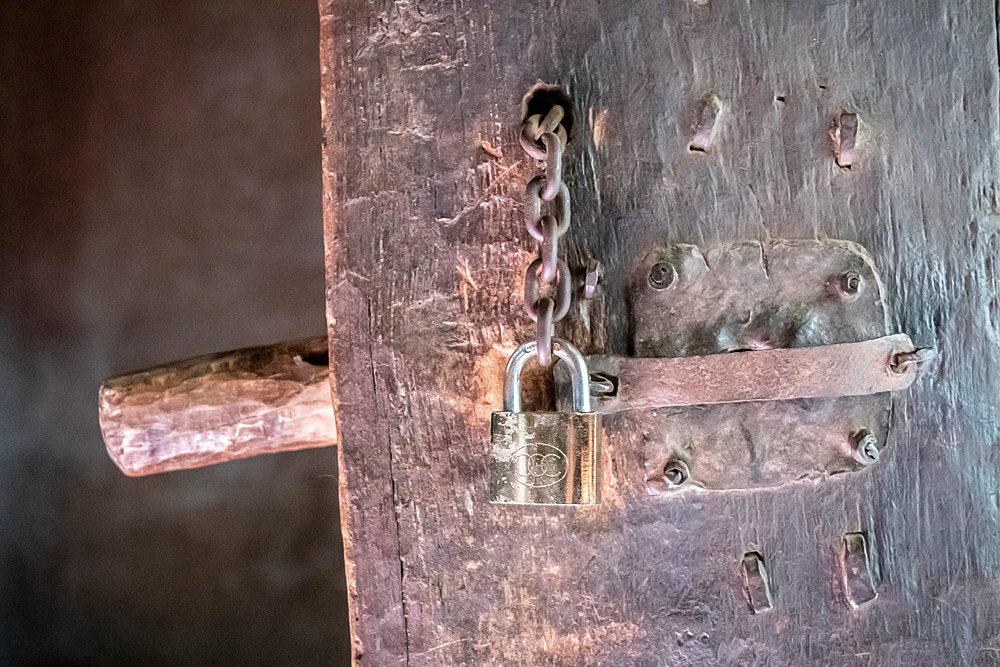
546	458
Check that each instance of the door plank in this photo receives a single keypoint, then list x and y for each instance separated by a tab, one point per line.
426	251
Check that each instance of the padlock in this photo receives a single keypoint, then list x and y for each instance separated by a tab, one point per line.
546	458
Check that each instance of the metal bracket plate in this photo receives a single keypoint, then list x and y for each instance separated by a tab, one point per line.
802	422
789	294
749	297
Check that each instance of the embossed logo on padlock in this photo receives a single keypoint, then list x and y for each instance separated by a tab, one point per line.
537	466
550	458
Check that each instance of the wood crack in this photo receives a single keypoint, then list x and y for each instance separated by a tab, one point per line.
392	485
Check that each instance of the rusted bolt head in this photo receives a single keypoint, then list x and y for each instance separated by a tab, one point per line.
662	275
901	362
850	284
865	448
676	473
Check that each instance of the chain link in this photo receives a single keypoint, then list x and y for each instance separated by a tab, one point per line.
532	292
533	207
550	248
544	138
544	329
535	126
553	165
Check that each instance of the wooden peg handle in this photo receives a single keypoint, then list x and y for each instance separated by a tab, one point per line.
219	407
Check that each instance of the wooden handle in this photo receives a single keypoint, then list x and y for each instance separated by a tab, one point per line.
219	407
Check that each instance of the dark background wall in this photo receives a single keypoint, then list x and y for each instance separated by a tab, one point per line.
160	197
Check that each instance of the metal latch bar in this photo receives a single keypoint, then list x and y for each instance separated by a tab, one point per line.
828	371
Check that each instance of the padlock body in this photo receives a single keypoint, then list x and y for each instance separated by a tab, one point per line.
546	458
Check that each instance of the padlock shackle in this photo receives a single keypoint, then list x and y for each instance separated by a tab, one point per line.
562	349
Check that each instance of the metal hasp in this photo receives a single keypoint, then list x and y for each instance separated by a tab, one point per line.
546	458
756	365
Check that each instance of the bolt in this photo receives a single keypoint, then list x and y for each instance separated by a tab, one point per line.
662	275
676	473
901	362
850	284
865	447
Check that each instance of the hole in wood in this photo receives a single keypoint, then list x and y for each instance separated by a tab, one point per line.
319	358
858	581
711	107
543	97
844	135
756	583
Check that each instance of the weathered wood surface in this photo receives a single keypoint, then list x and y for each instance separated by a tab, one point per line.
426	252
219	407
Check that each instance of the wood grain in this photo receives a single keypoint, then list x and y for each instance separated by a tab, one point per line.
425	255
219	407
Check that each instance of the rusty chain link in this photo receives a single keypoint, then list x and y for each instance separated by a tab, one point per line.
533	207
544	330
544	138
532	291
535	126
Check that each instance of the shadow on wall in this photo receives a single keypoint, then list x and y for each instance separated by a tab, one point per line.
160	197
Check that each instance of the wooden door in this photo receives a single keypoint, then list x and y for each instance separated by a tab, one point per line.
426	252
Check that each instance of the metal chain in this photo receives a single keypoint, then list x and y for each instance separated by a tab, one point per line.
544	138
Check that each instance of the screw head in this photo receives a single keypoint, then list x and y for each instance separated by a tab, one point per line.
662	275
850	284
676	473
865	448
